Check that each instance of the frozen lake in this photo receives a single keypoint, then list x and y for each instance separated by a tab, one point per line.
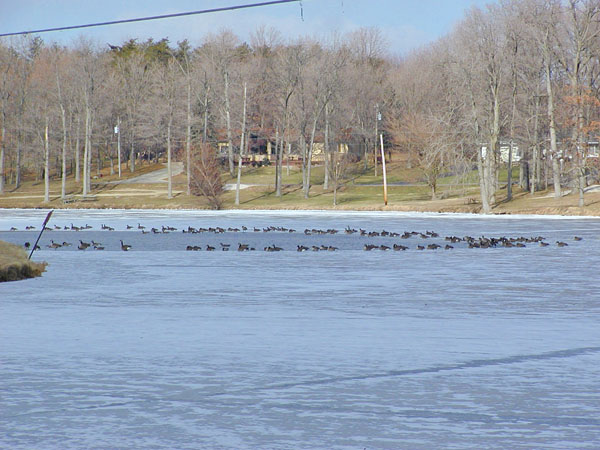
160	347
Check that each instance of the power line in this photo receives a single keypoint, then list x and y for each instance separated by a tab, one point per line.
164	16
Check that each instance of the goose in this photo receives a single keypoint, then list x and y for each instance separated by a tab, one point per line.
398	247
54	245
209	248
562	244
420	247
302	248
125	247
98	247
83	245
448	247
544	244
578	238
243	247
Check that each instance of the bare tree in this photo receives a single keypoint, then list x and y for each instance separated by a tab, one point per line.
206	176
579	35
222	51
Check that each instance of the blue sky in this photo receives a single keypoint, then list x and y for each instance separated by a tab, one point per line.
407	24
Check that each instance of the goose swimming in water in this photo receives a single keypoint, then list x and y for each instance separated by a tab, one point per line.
54	245
125	247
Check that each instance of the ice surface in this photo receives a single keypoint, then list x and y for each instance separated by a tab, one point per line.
163	348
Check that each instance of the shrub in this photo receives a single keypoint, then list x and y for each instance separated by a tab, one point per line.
206	175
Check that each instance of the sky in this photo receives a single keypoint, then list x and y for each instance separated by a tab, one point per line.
406	24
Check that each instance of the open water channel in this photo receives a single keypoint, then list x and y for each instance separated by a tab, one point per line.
160	347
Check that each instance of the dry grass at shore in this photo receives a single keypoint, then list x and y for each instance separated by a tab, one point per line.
14	264
359	194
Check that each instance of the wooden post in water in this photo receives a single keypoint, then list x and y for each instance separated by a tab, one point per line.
40	235
385	199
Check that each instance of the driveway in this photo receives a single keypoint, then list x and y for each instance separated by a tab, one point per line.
158	176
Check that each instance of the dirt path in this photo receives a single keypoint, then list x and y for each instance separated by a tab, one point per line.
158	176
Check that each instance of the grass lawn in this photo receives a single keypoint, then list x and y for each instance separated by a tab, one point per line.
362	190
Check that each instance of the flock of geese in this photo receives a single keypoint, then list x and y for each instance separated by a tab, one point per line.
468	241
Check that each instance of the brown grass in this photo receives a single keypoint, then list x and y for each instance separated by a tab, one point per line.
355	195
14	264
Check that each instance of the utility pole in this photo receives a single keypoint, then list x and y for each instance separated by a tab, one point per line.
385	198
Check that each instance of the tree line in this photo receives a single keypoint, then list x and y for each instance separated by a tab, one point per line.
514	82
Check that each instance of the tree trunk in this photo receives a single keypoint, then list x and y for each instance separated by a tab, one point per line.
77	150
132	153
86	151
98	161
280	162
205	124
483	184
119	144
188	139
111	157
18	162
242	143
2	155
552	127
169	169
535	153
46	164
524	175
509	173
582	184
277	178
287	160
309	158
63	184
326	150
228	122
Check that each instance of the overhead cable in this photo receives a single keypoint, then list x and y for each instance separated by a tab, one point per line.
141	19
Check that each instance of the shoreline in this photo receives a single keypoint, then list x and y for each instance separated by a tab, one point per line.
16	266
304	211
